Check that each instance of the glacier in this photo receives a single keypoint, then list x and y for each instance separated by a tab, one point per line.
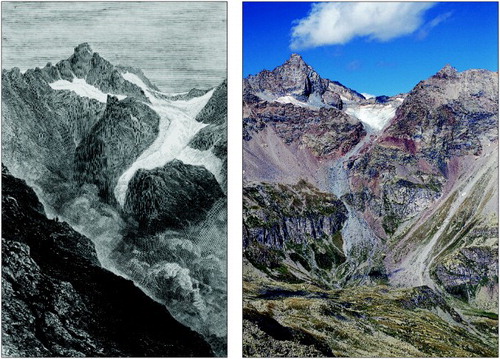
176	129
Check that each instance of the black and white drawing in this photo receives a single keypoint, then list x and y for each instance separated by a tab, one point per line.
114	168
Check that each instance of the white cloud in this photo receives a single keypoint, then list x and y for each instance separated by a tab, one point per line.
338	23
424	31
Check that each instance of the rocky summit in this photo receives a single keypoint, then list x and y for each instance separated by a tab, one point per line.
370	225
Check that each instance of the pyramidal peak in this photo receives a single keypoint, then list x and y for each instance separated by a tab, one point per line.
295	57
295	60
447	71
83	49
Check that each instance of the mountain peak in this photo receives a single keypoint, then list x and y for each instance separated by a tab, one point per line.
447	71
296	59
83	49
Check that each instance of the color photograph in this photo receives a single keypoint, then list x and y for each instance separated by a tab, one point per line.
370	179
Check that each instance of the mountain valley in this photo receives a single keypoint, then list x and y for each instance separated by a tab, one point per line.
370	225
142	175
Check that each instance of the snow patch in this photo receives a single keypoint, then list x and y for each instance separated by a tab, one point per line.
374	115
294	101
136	80
83	89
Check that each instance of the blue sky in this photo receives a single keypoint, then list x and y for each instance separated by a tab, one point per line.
373	49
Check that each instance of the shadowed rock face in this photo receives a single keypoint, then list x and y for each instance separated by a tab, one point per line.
58	301
172	196
124	131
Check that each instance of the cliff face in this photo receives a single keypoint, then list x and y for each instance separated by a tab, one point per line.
293	232
213	137
58	301
41	127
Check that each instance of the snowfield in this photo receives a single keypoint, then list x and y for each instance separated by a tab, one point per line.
83	89
374	115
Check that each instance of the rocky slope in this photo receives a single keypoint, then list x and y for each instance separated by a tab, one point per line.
58	301
418	184
299	320
438	152
124	131
213	137
277	137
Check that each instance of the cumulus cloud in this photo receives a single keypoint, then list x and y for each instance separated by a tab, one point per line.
338	23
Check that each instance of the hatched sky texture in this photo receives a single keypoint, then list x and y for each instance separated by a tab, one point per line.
178	45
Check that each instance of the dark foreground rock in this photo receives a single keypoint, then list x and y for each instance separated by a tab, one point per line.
57	301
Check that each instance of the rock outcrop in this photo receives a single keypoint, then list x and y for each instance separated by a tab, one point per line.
213	137
292	230
172	196
124	131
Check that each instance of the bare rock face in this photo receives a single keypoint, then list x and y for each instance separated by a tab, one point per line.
327	133
443	119
89	65
297	79
213	137
57	301
292	228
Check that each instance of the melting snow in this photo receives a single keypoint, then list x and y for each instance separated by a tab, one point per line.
374	115
313	104
82	88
